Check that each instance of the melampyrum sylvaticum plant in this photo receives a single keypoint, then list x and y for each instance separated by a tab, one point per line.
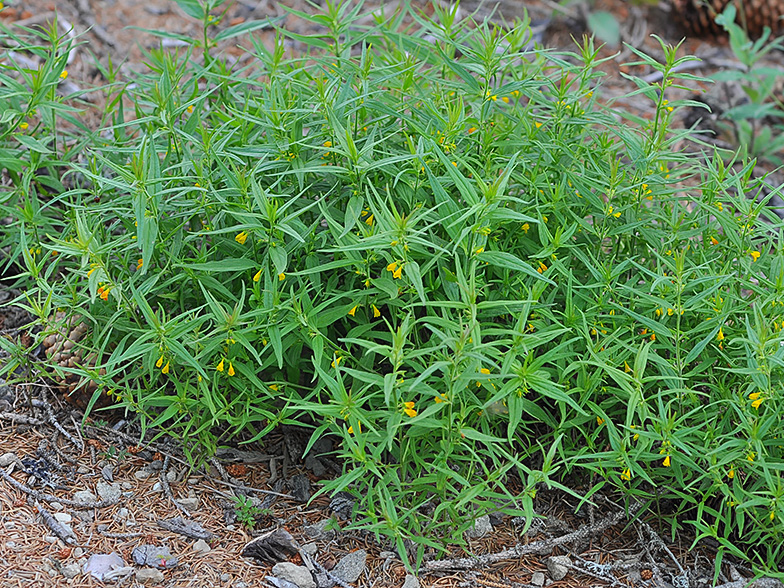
430	241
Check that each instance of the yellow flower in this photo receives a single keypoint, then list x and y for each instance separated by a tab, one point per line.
666	462
670	311
408	408
190	109
24	126
626	367
376	311
720	335
658	312
626	474
274	387
398	272
104	294
525	227
281	277
636	435
542	268
505	99
471	130
515	93
327	143
714	241
369	221
599	421
219	367
159	363
353	310
351	429
257	276
392	266
755	255
336	361
64	74
440	398
241	237
756	403
750	456
231	370
754	395
480	250
139	264
165	369
731	473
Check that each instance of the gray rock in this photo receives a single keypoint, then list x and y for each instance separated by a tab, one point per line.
82	470
537	579
387	554
63	517
314	464
155	465
100	564
351	566
149	576
188	503
295	574
157	487
84	497
411	582
142	474
7	459
108	492
155	557
70	570
482	527
126	486
201	547
558	566
122	514
310	548
107	473
239	584
171	476
280	582
324	581
78	552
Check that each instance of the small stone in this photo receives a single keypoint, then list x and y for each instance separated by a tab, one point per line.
239	584
11	544
201	547
7	459
171	476
155	465
537	579
310	548
70	570
149	576
108	492
351	566
157	487
50	539
63	517
482	527
101	564
107	473
225	577
126	486
558	566
411	582
314	464
387	554
142	474
82	470
55	506
84	497
324	581
121	514
77	552
188	503
298	575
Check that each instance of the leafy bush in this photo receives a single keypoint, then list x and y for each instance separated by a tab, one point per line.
433	244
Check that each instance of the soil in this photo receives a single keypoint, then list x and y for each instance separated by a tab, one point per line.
47	452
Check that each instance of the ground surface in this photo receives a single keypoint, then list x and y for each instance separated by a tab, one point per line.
137	487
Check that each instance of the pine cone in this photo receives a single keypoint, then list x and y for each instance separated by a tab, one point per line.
698	15
62	347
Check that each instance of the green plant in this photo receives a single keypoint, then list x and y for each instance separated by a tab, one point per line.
246	511
760	84
440	249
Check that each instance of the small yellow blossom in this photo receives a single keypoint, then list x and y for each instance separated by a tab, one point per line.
165	369
398	273
480	250
626	475
104	294
515	93
754	395
731	473
24	126
755	255
720	335
219	367
327	143
369	221
670	311
542	268
64	74
636	436
257	276
714	241
351	429
189	109
471	130
353	310
653	336
408	408
336	361
658	312
505	99
231	370
525	227
626	367
274	387
392	266
750	456
666	462
281	277
440	398
756	403
159	363
241	237
720	206
599	421
376	311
